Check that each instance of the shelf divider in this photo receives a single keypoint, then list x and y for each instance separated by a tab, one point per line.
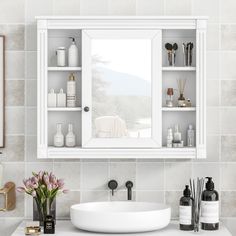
55	68
178	68
178	108
64	109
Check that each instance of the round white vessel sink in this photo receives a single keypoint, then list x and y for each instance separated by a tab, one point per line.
120	217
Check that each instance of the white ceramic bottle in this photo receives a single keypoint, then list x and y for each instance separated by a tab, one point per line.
70	137
52	98
169	140
73	54
71	91
190	136
59	137
177	134
61	56
61	99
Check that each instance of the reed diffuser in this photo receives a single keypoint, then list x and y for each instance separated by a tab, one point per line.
196	187
181	87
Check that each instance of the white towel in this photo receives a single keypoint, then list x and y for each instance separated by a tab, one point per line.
110	127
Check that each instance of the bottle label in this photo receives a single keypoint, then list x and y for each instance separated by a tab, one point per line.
185	215
210	212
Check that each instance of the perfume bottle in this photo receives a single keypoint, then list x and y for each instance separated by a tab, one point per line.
177	134
70	137
169	139
59	137
169	98
49	225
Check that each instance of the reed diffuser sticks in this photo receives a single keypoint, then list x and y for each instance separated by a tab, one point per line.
196	187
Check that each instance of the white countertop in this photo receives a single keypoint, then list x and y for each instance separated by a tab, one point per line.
65	228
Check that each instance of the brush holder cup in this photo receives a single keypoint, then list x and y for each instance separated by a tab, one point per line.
171	58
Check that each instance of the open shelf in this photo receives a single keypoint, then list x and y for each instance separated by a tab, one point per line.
54	68
64	109
178	68
178	108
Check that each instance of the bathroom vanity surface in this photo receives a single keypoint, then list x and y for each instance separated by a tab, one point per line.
65	228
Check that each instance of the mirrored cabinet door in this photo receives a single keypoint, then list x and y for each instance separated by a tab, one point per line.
121	84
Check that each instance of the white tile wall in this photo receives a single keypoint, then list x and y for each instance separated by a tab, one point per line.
155	180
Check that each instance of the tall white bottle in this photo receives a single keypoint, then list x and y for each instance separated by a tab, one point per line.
73	54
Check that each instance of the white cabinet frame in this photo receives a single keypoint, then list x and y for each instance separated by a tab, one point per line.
156	77
90	24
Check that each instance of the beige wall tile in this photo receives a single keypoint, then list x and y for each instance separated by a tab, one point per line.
15	120
172	199
15	65
12	11
212	65
94	196
122	7
213	121
15	92
208	8
228	37
227	11
123	172
70	172
150	176
228	204
94	176
228	148
228	117
37	8
177	175
93	7
228	175
213	95
15	148
150	7
14	36
31	92
228	91
150	196
227	65
66	7
175	7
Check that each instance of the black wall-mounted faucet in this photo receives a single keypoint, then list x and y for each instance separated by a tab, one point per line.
112	184
129	185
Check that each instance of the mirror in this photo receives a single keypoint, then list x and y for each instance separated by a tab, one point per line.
121	88
2	77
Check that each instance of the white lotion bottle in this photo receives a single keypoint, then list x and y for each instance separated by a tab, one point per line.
71	91
61	99
59	137
169	139
52	98
73	54
70	137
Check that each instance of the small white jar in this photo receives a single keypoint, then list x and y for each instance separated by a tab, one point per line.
61	56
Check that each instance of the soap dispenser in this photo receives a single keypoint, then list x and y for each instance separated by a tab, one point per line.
210	207
186	210
73	54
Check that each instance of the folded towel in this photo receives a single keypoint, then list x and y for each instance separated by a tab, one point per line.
110	127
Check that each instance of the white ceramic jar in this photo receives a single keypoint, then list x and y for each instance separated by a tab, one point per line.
61	56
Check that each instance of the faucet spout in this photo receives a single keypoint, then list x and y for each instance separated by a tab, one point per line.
129	185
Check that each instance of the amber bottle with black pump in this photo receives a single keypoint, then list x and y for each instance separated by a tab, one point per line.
210	207
186	210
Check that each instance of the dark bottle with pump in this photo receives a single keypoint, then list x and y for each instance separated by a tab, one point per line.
49	225
186	210
210	207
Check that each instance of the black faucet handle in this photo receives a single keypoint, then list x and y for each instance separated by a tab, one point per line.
129	184
112	184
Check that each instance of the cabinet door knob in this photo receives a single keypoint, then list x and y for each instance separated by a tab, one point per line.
86	109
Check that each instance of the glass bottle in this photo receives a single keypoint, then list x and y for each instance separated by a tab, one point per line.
59	137
70	137
169	98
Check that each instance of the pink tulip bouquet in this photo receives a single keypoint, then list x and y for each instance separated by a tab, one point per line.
43	187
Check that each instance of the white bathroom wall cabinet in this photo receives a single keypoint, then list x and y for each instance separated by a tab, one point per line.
121	85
